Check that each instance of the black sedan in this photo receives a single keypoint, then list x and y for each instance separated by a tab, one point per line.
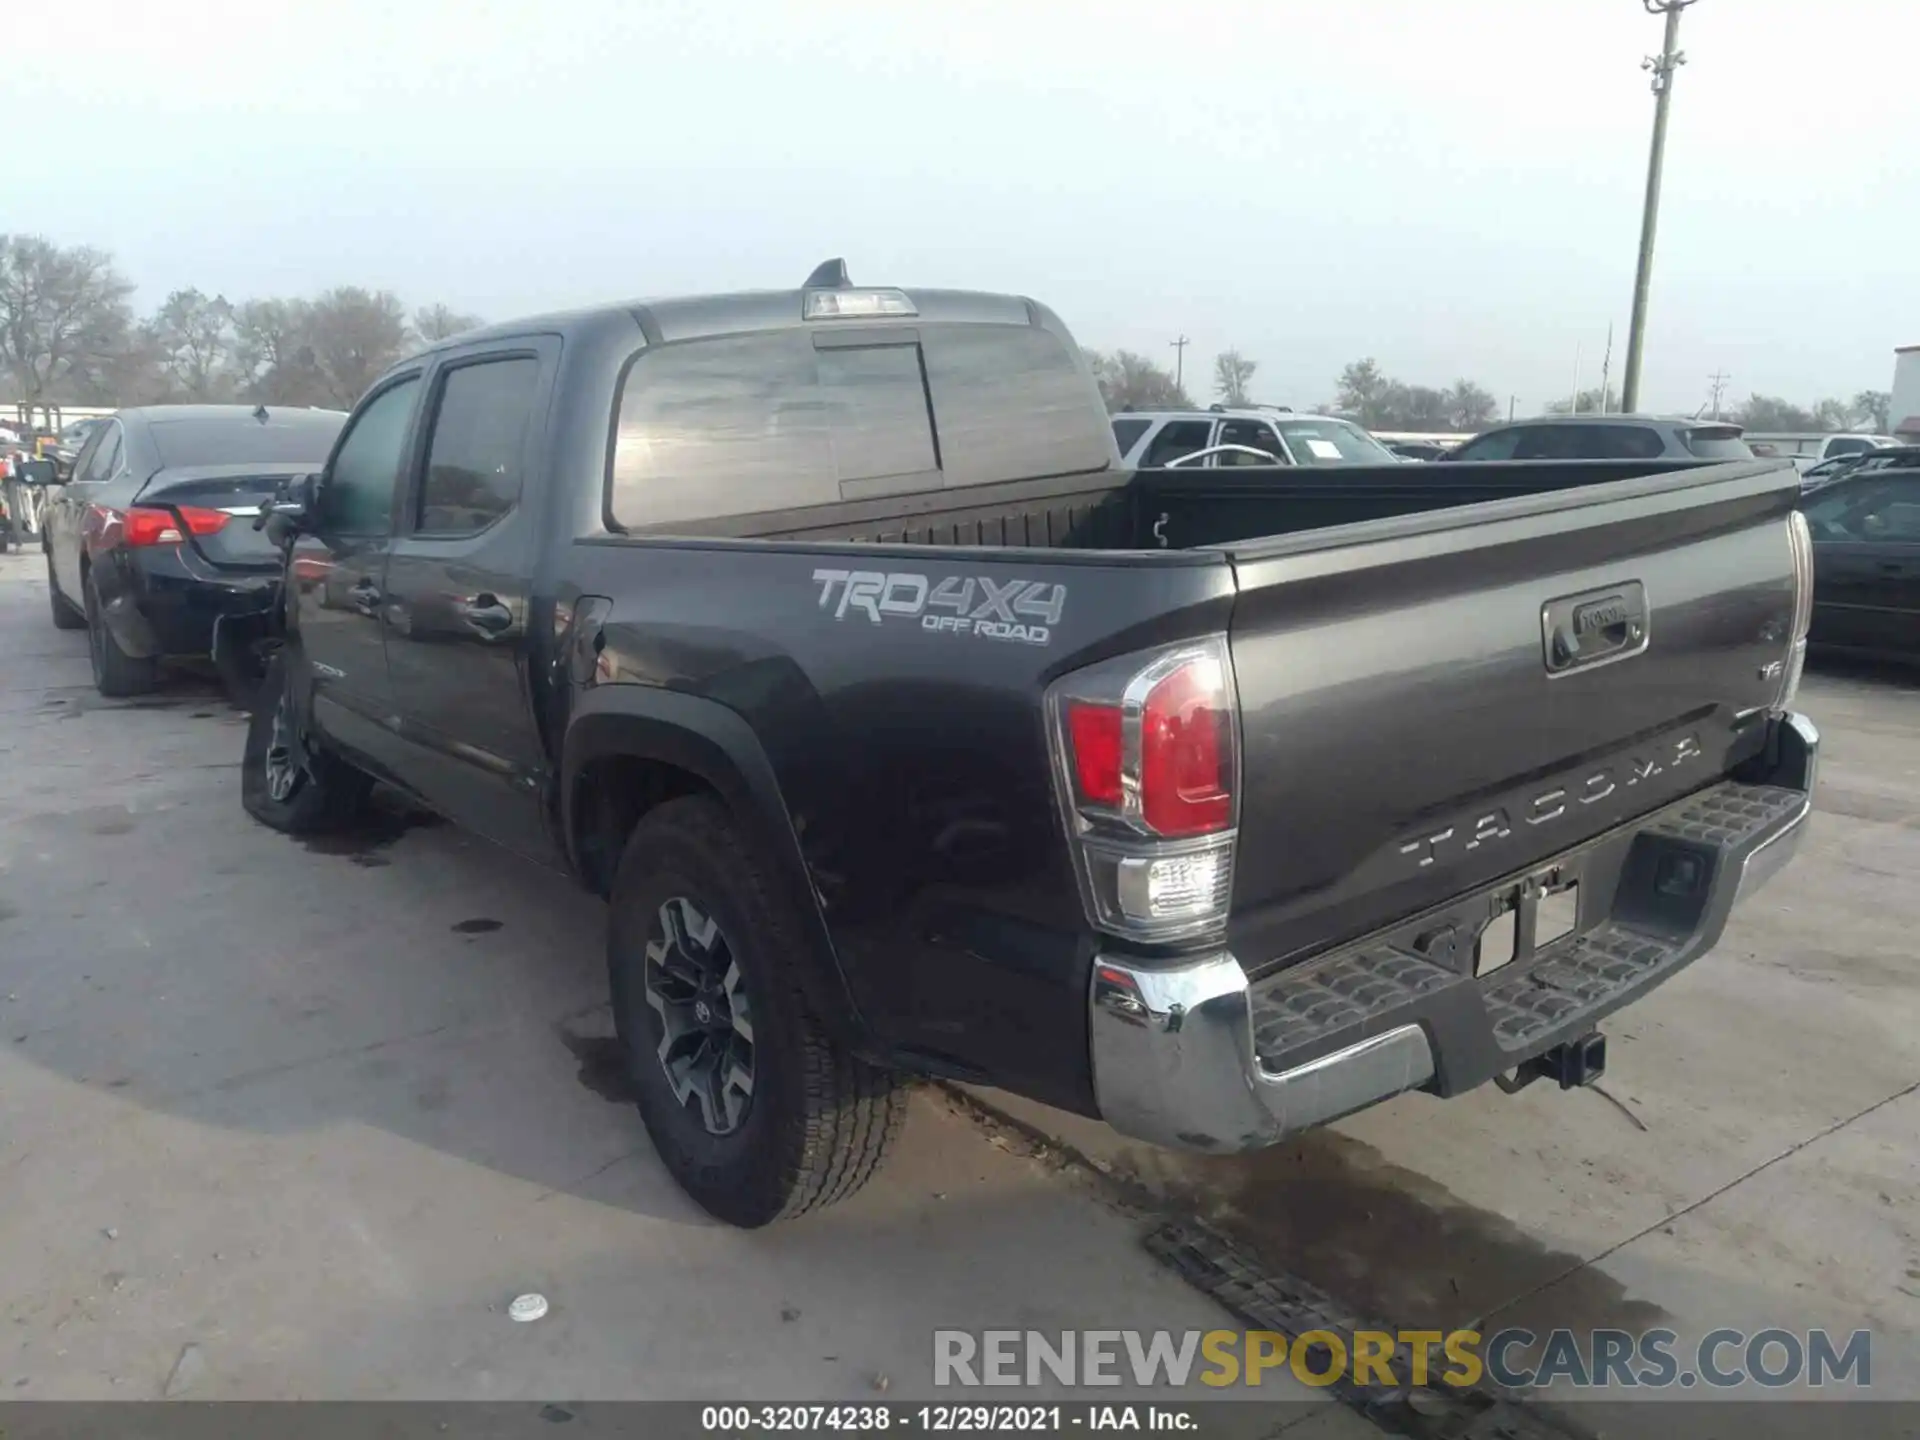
150	543
1866	563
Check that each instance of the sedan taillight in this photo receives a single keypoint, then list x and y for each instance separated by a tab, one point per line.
142	525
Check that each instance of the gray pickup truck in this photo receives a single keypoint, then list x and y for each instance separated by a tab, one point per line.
906	731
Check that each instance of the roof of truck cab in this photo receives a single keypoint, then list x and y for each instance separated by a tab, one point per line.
688	317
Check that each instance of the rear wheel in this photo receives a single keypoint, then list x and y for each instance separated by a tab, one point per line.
115	673
66	615
287	780
754	1110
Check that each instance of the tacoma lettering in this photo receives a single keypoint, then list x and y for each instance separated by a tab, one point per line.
1492	826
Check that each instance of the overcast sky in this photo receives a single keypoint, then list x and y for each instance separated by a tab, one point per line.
1450	186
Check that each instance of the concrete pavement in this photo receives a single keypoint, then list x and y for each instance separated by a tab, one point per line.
284	1120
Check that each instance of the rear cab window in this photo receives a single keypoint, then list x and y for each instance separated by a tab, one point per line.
772	421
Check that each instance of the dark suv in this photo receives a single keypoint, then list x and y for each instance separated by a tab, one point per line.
1607	437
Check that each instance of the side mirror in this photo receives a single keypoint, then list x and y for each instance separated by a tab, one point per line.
37	472
287	513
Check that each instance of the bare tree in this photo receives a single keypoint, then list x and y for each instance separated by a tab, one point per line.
353	335
436	322
63	316
1130	381
1874	409
1588	402
1470	406
1363	392
194	338
1832	415
271	352
1770	412
1232	374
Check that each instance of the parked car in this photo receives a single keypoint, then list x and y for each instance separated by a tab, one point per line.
1253	436
906	731
1897	457
1418	449
1866	568
1606	437
1808	448
149	542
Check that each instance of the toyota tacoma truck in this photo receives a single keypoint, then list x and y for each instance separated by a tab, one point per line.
905	732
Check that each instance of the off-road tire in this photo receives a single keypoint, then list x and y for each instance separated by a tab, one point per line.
328	794
820	1121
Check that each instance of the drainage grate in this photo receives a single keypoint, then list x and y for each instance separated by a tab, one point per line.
1216	1266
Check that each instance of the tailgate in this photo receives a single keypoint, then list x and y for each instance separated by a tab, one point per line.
233	491
1433	702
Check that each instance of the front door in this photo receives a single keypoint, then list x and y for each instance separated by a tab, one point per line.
1866	563
65	518
338	565
457	592
1251	435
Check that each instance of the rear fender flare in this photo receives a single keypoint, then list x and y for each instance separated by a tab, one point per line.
717	745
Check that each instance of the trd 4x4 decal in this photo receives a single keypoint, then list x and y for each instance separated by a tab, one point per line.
1019	610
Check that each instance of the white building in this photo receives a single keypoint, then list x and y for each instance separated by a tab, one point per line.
1903	415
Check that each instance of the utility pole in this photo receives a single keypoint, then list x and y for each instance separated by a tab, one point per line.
1718	380
1180	361
1606	369
1662	66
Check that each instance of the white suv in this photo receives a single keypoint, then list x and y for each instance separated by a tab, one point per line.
1149	439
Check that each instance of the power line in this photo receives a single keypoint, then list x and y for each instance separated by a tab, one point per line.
1662	65
1718	380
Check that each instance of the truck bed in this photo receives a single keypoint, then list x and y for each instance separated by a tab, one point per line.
1186	509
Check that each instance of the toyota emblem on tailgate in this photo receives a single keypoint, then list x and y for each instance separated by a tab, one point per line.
1594	627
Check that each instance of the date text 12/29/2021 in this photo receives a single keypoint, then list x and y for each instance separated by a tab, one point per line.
948	1419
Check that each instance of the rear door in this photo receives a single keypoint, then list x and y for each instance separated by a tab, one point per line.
457	592
1433	702
100	462
338	565
1866	563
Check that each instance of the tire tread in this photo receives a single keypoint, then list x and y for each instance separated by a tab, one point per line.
852	1112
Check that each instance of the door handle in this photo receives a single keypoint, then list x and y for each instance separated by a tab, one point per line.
1892	567
487	615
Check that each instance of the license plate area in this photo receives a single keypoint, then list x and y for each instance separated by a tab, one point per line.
1526	919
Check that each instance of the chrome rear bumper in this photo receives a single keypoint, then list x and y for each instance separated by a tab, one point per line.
1196	1056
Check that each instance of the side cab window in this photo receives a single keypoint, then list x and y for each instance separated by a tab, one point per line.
1499	445
357	492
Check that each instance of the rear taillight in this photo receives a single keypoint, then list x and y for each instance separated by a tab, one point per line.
140	525
1800	541
1146	759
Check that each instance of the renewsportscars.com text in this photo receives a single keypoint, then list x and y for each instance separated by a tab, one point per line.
1516	1359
